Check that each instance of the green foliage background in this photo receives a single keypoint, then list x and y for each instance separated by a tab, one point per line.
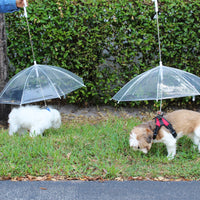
107	43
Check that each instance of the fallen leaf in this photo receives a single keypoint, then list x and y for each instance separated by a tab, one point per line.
20	178
105	171
31	178
49	178
40	178
160	178
42	188
119	179
68	155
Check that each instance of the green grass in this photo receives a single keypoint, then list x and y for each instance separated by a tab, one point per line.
78	150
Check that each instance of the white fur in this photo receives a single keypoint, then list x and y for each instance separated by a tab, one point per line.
170	143
133	140
134	143
33	119
196	137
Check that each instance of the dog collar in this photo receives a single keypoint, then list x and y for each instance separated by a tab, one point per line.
161	121
47	108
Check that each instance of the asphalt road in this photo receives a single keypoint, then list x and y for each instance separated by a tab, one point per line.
109	190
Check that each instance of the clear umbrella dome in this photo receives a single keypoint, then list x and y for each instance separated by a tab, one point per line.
159	83
38	83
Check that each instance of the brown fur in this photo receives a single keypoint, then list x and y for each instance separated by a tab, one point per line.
185	122
182	121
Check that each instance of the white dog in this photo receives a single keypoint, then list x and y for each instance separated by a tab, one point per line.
184	122
33	119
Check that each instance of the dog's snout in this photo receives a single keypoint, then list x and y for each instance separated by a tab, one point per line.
138	147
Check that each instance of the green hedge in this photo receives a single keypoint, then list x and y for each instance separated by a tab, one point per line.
107	43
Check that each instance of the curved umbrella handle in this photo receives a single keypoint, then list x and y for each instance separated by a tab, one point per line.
156	5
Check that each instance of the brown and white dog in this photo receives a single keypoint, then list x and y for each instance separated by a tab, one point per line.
185	122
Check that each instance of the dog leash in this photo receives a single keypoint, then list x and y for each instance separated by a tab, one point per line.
47	108
161	121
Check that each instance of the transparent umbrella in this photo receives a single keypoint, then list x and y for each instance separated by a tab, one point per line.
160	82
39	82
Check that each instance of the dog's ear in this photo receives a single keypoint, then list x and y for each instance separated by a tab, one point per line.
149	135
149	139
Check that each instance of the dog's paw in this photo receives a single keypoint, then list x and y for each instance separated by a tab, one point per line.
170	157
11	133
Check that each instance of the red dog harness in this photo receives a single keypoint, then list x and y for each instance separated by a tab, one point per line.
161	121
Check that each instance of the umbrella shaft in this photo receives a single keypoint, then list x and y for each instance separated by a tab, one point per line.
159	43
160	105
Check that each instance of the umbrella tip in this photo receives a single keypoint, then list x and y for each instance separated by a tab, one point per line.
161	63
35	62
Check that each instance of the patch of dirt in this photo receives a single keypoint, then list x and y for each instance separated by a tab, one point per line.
94	114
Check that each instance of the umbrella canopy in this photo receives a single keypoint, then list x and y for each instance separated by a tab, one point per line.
159	83
39	83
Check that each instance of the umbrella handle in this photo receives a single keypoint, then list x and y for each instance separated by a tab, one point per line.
156	5
25	5
25	14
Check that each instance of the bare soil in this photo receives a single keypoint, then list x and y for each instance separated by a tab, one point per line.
97	113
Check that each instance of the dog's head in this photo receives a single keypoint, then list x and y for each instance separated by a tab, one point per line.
56	118
141	139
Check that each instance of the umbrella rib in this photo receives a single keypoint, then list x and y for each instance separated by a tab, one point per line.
14	78
50	82
186	80
25	85
69	76
142	76
72	88
158	86
58	86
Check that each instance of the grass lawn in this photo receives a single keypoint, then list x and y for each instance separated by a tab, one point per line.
90	151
